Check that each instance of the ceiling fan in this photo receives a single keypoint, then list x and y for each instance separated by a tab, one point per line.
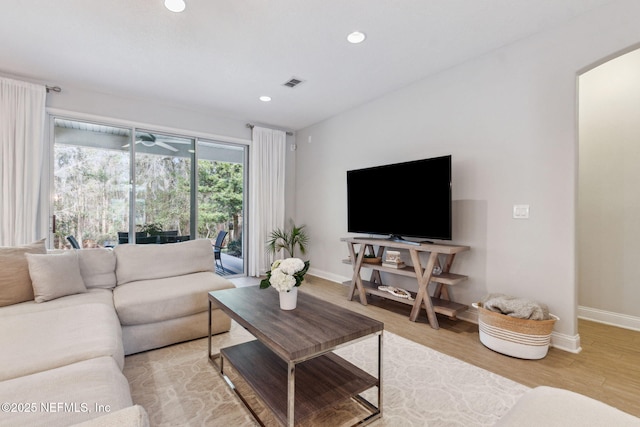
149	140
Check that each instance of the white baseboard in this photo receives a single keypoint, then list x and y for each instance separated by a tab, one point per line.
570	343
328	276
609	318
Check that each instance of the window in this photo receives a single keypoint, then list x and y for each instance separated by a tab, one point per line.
115	185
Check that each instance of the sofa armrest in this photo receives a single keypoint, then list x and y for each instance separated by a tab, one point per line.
549	407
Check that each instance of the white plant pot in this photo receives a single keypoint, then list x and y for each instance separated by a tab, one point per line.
288	300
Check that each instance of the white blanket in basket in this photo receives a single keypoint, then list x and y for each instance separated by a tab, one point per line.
516	307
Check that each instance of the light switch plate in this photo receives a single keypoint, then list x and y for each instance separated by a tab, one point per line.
521	211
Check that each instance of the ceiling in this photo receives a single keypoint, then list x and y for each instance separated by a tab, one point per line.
219	56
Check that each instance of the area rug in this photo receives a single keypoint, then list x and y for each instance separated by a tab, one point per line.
421	387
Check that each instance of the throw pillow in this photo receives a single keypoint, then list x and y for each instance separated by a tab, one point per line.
98	268
54	276
15	282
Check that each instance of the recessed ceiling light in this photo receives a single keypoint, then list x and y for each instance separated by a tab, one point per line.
356	37
175	5
265	98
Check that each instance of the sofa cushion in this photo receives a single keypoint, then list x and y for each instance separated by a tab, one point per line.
98	267
38	341
149	301
549	406
142	262
66	395
15	282
137	338
102	296
55	276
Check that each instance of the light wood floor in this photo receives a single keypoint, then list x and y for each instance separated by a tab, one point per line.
607	369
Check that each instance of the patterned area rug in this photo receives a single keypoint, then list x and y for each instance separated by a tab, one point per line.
421	387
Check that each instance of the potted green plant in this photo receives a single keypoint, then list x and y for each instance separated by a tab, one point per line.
152	228
288	240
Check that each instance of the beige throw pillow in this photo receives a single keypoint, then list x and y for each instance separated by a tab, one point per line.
54	276
15	282
98	267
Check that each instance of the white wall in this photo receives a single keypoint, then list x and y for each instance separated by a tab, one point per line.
608	197
146	112
509	120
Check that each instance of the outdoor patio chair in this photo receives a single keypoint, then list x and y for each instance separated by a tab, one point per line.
123	236
74	243
217	246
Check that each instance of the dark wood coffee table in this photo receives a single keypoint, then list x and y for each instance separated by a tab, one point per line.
291	367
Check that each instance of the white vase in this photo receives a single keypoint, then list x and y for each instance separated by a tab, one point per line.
288	300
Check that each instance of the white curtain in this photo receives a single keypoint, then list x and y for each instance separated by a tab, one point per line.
266	194
22	117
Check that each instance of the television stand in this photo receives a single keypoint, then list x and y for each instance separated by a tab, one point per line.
400	239
438	303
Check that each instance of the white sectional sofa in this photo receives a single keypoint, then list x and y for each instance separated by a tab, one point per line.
555	407
161	293
68	319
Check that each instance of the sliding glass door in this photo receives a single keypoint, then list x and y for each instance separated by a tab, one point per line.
90	183
221	200
163	182
116	185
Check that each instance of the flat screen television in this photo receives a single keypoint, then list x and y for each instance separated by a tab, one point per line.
410	199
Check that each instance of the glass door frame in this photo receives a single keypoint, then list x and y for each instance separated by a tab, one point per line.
48	182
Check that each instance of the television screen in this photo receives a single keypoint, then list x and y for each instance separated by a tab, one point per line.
410	199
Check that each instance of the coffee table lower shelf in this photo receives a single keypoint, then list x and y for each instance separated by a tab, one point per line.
320	383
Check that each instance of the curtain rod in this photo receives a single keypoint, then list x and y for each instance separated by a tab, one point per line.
53	89
250	126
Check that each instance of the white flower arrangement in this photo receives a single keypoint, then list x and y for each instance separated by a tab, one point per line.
285	274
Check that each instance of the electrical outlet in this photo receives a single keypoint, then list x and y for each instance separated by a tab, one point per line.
521	211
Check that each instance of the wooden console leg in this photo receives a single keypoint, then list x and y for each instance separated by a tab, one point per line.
352	256
375	274
356	281
422	297
376	278
444	289
437	293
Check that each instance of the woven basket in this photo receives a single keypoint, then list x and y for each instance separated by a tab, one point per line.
522	338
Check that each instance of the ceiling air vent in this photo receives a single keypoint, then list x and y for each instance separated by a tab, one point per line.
293	82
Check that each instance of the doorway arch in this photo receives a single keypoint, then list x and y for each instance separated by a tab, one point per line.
607	224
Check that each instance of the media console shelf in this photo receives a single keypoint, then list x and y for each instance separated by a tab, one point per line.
438	303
